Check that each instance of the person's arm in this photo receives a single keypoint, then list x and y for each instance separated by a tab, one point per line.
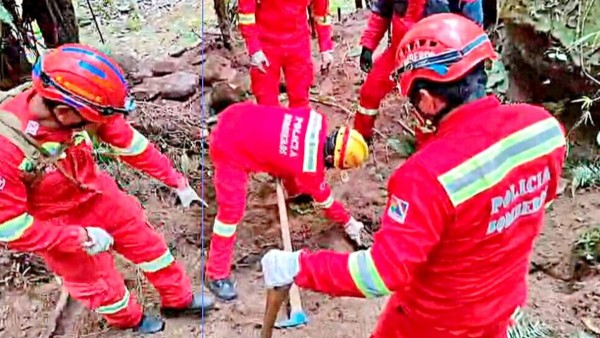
317	187
18	228
247	25
322	24
134	149
378	24
557	159
411	226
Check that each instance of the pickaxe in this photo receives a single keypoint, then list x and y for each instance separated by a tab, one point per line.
276	296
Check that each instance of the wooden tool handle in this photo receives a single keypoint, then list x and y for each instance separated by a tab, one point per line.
295	302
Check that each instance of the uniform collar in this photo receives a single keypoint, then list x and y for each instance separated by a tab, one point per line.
466	112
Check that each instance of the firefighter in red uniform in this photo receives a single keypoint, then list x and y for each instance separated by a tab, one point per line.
462	213
277	37
291	144
401	14
70	212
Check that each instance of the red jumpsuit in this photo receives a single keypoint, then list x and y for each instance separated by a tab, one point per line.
460	221
285	143
281	31
402	14
45	216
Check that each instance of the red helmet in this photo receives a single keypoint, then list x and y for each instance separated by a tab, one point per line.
85	79
440	48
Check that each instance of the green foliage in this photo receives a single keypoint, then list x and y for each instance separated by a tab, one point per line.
405	147
6	17
587	246
583	173
526	327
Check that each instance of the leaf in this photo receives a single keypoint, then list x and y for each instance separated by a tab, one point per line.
6	17
561	57
402	147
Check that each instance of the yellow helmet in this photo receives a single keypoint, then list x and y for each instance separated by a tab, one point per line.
351	150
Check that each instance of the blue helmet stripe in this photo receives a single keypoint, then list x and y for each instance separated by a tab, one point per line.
100	58
92	69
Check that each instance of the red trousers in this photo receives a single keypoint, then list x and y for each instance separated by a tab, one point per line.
94	280
296	62
230	183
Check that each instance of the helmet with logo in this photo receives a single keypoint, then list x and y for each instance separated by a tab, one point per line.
85	79
348	148
440	48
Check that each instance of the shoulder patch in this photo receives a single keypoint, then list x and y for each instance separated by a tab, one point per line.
398	209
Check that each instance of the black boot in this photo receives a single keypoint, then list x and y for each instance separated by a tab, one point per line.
223	289
200	303
150	324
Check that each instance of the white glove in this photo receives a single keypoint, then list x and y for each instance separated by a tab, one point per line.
99	241
326	59
353	229
259	60
280	267
187	195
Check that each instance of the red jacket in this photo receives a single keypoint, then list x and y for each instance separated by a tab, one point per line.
283	23
285	143
459	225
27	209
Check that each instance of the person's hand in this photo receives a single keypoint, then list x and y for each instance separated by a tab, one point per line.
366	60
326	60
186	194
280	267
354	230
259	60
98	240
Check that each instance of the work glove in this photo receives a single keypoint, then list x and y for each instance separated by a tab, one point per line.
98	240
354	230
326	60
366	60
280	267
186	194
259	60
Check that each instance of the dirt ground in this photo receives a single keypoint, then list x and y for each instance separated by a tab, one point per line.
26	310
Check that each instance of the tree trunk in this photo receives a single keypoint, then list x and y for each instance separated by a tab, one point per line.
225	18
56	19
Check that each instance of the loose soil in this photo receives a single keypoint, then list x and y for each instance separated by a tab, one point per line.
25	307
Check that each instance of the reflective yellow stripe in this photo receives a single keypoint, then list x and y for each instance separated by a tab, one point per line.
325	204
548	204
138	144
115	307
311	142
159	263
365	275
82	136
486	169
246	19
224	229
13	229
322	20
368	112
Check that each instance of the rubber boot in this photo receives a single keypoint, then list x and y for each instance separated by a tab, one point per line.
224	289
150	324
200	303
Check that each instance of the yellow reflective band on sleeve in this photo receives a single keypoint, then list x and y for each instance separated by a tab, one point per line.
115	307
13	229
246	19
311	142
82	136
159	263
322	20
368	112
549	204
365	275
224	229
138	144
490	166
325	204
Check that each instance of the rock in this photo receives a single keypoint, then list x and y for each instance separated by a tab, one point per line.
164	67
145	92
241	82
177	51
128	62
216	69
140	75
178	86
